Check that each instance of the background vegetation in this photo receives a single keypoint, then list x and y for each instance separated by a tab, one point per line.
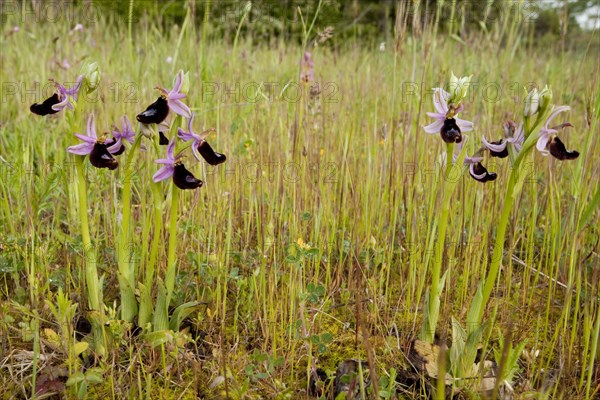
310	246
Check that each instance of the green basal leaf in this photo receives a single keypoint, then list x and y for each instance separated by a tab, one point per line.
158	338
475	309
181	313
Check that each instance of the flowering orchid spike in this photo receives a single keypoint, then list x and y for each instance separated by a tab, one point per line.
200	146
60	100
100	157
446	124
549	143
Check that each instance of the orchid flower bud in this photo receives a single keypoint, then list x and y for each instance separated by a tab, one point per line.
247	7
545	99
532	103
91	73
458	88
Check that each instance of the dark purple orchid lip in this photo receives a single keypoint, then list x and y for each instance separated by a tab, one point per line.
121	149
184	179
162	139
45	108
483	175
155	113
211	156
558	150
101	158
200	146
450	131
499	154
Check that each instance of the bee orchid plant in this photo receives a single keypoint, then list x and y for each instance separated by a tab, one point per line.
103	151
538	129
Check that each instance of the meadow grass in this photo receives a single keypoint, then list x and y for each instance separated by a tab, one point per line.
314	242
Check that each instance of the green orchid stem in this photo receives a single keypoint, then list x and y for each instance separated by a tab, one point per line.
160	320
161	311
129	307
430	323
451	176
146	305
490	280
145	295
499	244
91	272
515	184
171	261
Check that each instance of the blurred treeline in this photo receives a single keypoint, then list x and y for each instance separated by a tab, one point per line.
547	21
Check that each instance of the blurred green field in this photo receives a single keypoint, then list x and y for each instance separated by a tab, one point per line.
312	244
